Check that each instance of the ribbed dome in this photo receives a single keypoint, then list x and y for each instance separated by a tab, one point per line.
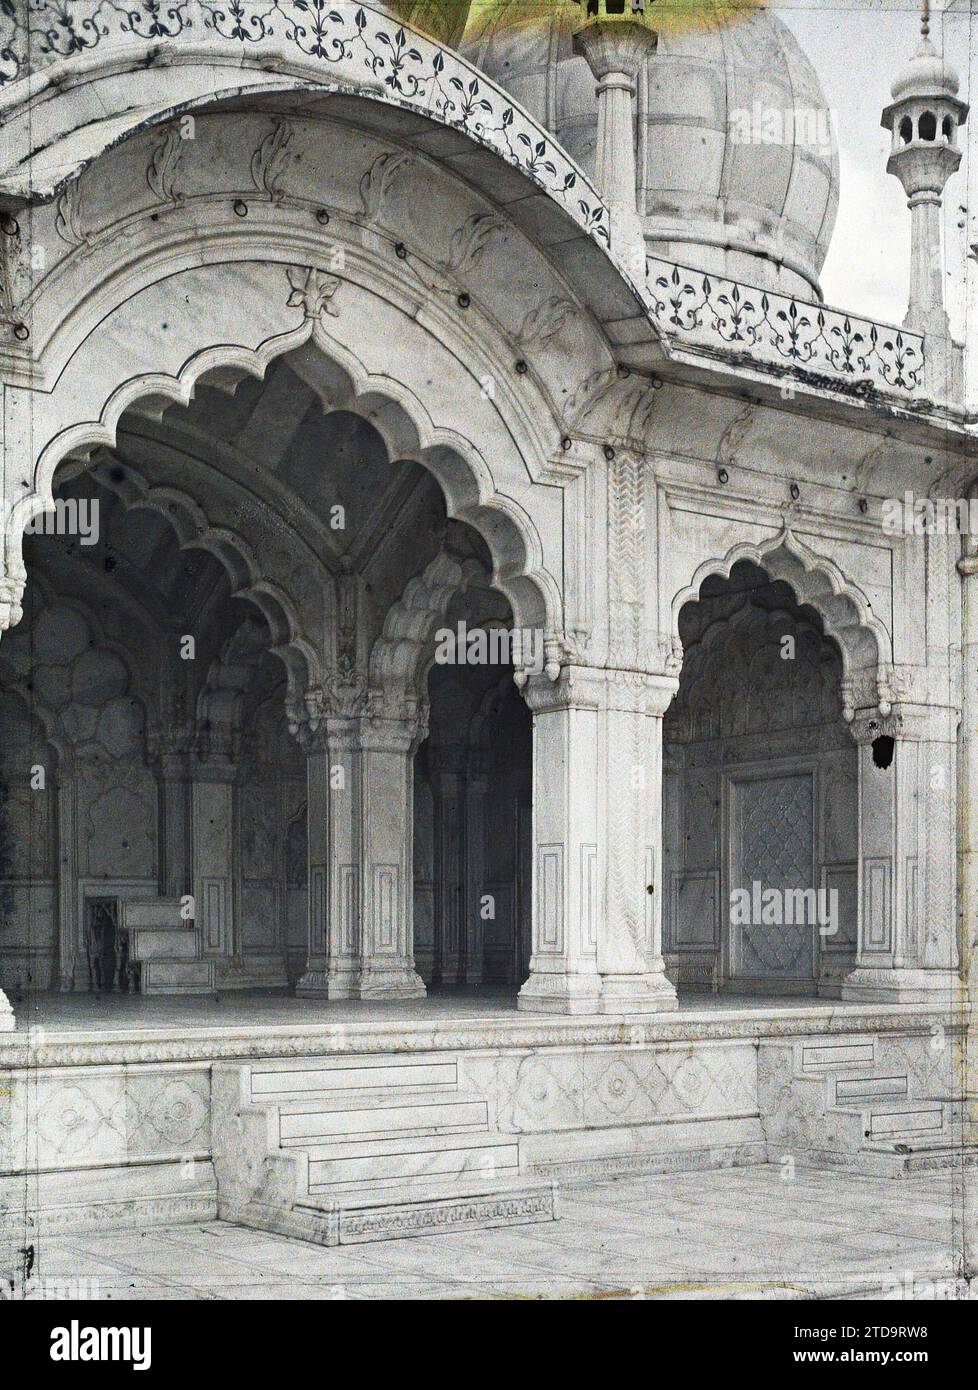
737	162
443	20
926	75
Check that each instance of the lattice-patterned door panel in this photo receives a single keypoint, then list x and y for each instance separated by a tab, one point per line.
773	827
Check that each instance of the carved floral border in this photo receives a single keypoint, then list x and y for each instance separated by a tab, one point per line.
344	37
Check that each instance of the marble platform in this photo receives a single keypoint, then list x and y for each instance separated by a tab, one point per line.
128	1111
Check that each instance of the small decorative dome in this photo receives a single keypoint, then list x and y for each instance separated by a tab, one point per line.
926	75
443	20
737	162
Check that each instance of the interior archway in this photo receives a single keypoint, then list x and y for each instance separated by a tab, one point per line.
472	814
760	795
245	574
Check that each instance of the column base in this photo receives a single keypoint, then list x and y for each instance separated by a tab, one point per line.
397	982
560	994
873	985
394	982
637	994
7	1023
324	984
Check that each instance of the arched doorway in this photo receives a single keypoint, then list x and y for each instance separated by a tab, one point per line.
473	830
760	795
243	761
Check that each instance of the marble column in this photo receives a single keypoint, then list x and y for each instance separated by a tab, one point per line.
633	978
68	924
447	764
321	951
173	799
907	936
473	925
11	612
361	881
212	852
597	831
387	749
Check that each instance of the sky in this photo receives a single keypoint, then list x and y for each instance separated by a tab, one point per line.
857	47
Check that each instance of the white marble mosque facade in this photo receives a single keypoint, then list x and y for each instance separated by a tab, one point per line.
349	349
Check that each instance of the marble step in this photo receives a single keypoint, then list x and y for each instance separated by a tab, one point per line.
437	1206
337	1075
854	1087
176	977
918	1154
908	1118
410	1159
163	943
814	1058
890	1122
374	1117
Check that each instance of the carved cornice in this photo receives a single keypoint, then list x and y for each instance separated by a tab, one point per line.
909	723
368	725
593	687
35	1048
11	602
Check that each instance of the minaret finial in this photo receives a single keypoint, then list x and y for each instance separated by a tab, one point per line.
925	18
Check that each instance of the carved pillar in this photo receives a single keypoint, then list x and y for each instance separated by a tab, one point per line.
315	980
173	800
633	977
597	829
387	749
11	612
447	762
361	881
67	841
907	946
567	869
212	841
473	926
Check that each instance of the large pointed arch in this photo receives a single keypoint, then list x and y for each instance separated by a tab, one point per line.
193	530
342	382
845	611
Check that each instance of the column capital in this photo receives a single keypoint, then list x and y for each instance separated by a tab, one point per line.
381	734
168	750
205	766
907	723
614	44
598	688
448	759
11	602
354	717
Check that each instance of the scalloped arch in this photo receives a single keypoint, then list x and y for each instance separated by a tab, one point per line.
814	580
342	382
137	686
194	532
398	662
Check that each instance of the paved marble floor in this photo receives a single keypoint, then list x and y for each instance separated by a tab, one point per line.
107	1013
743	1232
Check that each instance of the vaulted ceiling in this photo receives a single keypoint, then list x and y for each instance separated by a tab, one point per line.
301	486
